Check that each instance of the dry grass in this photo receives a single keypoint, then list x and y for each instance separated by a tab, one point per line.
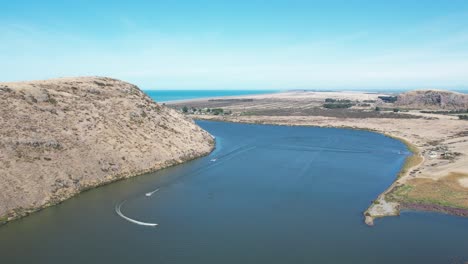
446	191
410	162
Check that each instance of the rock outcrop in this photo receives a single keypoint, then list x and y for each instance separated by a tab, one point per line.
60	137
433	99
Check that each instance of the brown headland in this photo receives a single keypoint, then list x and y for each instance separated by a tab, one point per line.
63	136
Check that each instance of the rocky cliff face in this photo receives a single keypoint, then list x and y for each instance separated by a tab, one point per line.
433	99
60	137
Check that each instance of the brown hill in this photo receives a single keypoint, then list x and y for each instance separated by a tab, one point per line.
433	99
60	137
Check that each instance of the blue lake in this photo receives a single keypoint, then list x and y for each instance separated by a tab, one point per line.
267	194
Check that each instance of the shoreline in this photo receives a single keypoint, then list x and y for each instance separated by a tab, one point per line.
23	212
393	209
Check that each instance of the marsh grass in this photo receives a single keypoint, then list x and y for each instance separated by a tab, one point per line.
446	191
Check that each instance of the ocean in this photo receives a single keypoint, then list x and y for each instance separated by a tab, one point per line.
173	95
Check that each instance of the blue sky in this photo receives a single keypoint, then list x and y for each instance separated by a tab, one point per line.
240	44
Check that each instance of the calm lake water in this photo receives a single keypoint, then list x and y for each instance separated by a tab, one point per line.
273	195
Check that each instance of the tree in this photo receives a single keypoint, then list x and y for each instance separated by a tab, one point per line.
217	111
388	99
185	109
377	108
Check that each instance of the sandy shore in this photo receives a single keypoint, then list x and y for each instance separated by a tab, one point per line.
435	178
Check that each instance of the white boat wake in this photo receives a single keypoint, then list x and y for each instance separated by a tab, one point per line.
151	193
119	212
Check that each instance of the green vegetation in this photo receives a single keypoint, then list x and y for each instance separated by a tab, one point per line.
331	100
463	117
388	99
445	192
337	105
377	108
445	112
217	111
205	111
331	103
52	101
402	190
396	110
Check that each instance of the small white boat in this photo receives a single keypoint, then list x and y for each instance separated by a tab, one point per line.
213	160
151	193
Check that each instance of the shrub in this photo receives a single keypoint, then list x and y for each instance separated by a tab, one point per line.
52	101
388	99
217	111
337	105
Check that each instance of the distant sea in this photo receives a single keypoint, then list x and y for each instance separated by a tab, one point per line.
172	95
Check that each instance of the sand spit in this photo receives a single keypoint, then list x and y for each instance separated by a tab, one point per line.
63	136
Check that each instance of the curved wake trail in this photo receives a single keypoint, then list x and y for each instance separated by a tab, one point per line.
119	212
221	158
